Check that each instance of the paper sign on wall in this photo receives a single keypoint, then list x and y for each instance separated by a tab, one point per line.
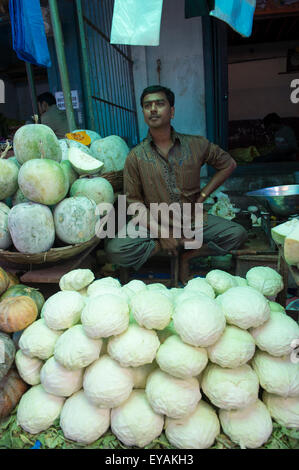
60	99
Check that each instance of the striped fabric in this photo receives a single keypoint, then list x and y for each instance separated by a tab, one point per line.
149	177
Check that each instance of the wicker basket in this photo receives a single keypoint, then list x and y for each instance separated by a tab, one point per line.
116	178
53	255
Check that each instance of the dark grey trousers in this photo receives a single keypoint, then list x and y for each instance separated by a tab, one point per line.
219	234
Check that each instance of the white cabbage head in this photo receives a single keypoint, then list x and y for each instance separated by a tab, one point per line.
176	398
76	279
81	421
230	389
136	285
141	373
75	350
109	290
200	285
180	359
134	422
277	375
265	279
244	307
221	281
60	381
38	340
276	335
197	431
28	367
276	307
104	316
103	282
248	427
106	383
63	309
151	309
38	409
233	349
199	321
168	331
285	411
241	281
135	347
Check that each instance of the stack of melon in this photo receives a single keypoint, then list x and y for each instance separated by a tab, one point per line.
216	354
287	235
44	197
19	307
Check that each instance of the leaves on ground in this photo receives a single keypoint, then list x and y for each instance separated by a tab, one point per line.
13	436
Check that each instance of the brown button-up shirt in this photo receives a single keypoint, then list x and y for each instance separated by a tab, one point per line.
149	177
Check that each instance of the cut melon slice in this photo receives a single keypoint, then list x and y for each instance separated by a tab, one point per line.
283	230
291	246
83	163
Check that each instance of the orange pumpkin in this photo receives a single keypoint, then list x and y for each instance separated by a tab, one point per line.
16	313
12	387
13	280
4	281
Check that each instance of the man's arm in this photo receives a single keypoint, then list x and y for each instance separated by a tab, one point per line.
134	194
221	161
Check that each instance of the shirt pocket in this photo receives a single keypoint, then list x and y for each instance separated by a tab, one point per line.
189	180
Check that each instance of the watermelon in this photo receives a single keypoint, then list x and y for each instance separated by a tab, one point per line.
75	220
31	227
98	189
8	178
19	197
112	151
35	141
43	180
66	144
83	163
69	172
5	238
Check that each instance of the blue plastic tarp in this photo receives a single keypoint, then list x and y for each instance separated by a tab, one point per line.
28	32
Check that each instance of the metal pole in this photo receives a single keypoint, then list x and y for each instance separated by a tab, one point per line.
32	89
85	69
64	76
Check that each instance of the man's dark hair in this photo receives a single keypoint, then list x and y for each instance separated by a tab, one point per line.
47	97
157	89
271	118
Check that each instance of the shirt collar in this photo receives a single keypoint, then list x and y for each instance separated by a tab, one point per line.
174	136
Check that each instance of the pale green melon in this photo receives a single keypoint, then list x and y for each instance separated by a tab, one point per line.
92	134
66	144
19	197
36	141
5	238
15	161
112	151
43	180
31	227
8	178
69	172
75	220
83	163
98	189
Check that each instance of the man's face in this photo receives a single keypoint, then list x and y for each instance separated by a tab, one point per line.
42	107
157	111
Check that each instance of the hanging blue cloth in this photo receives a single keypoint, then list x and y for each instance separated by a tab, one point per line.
237	13
28	32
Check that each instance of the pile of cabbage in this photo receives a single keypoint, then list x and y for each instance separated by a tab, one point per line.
214	356
50	188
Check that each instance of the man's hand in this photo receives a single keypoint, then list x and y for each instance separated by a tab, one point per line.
169	244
